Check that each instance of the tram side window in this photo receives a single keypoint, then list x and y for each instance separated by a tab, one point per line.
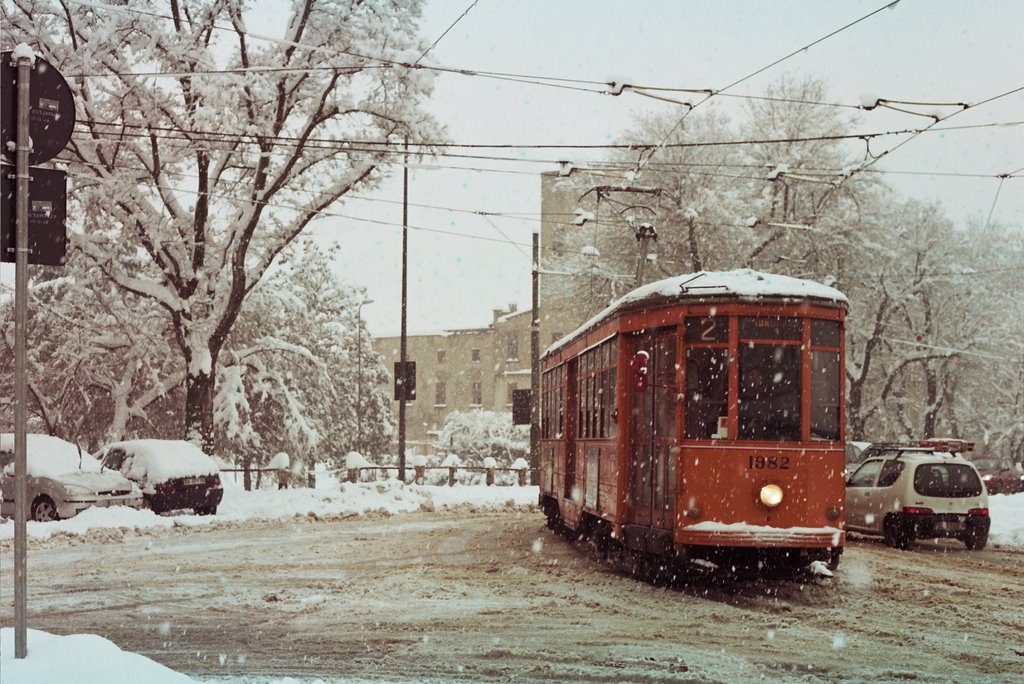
596	388
824	394
769	392
553	404
707	385
825	379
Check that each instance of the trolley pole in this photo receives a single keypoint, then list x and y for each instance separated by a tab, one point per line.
21	171
535	367
405	306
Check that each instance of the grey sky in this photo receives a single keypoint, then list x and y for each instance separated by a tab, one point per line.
922	51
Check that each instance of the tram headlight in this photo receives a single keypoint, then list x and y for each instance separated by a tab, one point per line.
771	495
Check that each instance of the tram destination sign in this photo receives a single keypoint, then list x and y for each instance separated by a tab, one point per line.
51	117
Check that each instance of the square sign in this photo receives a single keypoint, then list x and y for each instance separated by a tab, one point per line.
405	381
522	404
47	215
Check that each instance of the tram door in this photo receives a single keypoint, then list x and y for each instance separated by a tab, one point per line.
571	425
654	432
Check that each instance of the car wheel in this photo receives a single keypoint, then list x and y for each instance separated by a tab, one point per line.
894	536
44	510
205	510
975	541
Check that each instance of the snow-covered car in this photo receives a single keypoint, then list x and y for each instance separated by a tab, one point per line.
999	475
61	480
173	474
917	490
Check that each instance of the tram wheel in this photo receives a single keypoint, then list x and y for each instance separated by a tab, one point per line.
554	517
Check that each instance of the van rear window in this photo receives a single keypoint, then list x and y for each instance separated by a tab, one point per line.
946	479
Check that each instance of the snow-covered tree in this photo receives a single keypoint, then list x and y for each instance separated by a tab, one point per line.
99	361
295	367
202	151
476	435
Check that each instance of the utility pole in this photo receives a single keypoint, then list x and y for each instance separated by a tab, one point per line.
405	305
359	373
21	171
535	367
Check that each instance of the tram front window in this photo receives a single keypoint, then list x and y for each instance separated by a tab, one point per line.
707	384
769	392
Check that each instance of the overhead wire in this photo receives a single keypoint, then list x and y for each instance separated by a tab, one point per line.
601	87
761	70
450	27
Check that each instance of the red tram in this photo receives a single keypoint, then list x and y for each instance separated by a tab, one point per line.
701	416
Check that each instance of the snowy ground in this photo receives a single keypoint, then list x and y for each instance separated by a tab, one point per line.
87	658
328	499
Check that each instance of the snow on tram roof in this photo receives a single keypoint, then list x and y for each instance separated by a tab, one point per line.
743	282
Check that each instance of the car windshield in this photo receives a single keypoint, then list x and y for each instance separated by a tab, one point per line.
946	480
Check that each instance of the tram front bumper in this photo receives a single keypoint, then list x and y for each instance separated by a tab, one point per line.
742	535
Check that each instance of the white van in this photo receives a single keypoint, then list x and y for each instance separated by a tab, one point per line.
918	490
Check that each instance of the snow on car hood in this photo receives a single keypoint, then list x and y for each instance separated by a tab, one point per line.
48	456
106	481
159	460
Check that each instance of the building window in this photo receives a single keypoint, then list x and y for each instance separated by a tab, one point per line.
478	393
475	354
440	394
513	350
440	355
512	387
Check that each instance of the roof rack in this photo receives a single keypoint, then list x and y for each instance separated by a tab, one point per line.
952	446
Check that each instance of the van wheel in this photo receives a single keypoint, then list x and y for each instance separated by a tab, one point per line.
44	510
975	541
894	536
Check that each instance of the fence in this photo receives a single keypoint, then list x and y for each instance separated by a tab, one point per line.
420	473
521	478
269	482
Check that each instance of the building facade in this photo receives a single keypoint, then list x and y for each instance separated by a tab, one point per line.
461	370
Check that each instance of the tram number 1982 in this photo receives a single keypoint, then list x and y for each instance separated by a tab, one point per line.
768	462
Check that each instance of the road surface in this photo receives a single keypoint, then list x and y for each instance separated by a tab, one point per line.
494	597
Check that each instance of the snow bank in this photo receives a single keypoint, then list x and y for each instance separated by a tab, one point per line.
1007	511
386	496
79	658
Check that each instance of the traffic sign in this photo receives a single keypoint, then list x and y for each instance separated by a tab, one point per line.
51	110
47	216
405	381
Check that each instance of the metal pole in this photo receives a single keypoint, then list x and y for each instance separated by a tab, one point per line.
20	364
405	305
359	373
359	379
535	367
644	235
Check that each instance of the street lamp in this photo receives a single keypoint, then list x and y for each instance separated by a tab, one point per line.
359	373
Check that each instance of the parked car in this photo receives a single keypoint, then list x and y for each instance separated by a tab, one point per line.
917	490
1000	475
173	474
61	480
